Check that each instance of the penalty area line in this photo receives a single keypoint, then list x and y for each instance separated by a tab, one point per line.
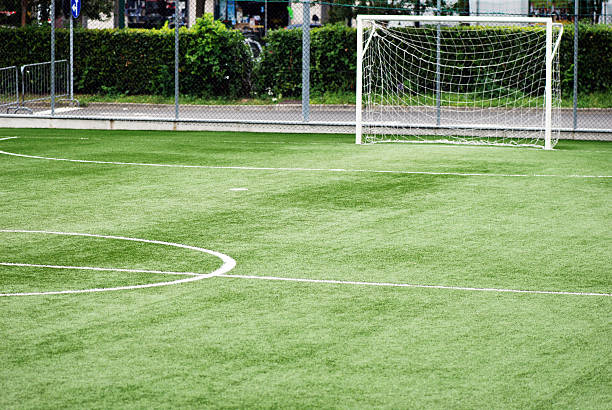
228	264
409	285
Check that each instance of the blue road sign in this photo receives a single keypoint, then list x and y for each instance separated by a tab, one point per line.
75	8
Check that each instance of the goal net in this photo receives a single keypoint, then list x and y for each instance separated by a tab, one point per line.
470	80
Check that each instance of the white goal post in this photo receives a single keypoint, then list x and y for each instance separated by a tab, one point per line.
458	79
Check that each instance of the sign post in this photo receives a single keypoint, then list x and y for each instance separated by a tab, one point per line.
75	10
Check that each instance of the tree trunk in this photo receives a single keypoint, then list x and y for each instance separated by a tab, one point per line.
24	11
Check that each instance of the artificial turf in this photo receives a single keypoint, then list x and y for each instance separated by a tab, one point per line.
529	220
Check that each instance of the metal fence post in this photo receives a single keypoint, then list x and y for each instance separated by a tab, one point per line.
306	60
52	58
438	61
176	60
71	58
575	113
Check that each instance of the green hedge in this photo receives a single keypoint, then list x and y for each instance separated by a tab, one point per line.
594	59
333	57
214	60
333	61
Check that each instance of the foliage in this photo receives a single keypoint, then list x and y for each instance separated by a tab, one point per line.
461	7
332	60
280	69
214	60
594	58
217	61
333	57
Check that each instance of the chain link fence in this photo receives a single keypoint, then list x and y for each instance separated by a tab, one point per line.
287	63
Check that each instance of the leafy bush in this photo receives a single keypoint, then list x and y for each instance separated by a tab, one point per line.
594	58
280	68
333	59
217	62
214	60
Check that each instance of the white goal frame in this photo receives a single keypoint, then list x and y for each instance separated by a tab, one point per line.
550	51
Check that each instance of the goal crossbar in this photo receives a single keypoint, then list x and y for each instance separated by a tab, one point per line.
455	19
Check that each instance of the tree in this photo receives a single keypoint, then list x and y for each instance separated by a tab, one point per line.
461	7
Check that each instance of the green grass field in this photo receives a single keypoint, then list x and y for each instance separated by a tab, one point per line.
472	220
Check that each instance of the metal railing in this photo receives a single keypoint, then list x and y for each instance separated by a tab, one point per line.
36	82
9	88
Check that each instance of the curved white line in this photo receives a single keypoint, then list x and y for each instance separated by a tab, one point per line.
408	285
247	168
94	268
228	264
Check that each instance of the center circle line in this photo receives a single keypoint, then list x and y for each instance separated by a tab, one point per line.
228	264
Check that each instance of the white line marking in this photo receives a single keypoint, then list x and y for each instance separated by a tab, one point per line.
408	285
247	168
228	264
275	142
239	189
336	143
8	138
32	265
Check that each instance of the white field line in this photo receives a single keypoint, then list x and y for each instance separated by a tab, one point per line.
248	168
94	290
273	278
7	138
228	264
332	143
273	142
408	285
33	265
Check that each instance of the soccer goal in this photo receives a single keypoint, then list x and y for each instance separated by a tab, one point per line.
457	79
